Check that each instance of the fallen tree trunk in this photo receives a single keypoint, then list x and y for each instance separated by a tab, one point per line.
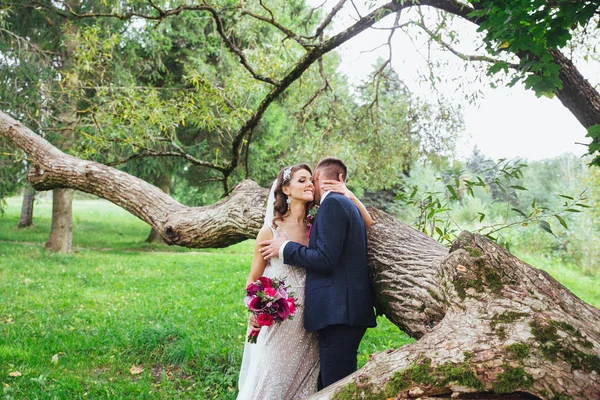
229	221
508	328
488	324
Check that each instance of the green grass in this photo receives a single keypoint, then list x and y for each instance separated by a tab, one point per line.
97	224
117	302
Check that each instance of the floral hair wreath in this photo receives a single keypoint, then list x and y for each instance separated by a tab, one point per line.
287	174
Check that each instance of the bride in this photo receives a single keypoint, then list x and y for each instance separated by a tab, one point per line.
284	363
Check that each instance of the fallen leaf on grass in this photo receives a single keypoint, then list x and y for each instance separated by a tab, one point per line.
15	374
135	370
55	358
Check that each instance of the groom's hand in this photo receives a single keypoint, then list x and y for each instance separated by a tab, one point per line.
270	248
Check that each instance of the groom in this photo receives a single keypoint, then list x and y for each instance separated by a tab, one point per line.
339	300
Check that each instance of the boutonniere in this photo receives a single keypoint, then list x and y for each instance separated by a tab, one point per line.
310	218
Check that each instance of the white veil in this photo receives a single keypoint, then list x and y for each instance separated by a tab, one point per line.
270	213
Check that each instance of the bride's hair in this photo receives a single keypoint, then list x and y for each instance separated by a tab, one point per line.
284	178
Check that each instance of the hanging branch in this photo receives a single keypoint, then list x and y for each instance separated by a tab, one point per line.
462	56
321	89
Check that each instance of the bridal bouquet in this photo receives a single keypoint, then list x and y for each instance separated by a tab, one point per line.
269	300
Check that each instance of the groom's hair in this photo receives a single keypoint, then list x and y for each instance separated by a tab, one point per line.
331	168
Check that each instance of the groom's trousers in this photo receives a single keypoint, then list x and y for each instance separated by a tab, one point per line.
338	350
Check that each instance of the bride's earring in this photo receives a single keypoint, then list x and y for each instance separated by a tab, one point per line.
288	201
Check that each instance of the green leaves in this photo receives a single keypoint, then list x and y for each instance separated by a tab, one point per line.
561	220
593	132
529	30
546	226
500	190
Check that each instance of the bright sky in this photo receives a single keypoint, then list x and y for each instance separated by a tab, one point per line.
504	123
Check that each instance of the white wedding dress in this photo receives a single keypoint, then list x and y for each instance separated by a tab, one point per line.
284	362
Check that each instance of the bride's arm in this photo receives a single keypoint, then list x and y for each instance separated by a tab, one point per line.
258	263
340	187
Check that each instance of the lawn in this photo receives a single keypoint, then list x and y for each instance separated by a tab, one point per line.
83	325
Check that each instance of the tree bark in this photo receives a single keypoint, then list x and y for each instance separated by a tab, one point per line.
61	232
488	324
507	328
26	218
163	182
577	94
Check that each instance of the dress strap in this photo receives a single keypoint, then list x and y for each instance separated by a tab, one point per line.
276	234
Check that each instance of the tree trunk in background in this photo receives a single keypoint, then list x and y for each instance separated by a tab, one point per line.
26	218
163	182
61	233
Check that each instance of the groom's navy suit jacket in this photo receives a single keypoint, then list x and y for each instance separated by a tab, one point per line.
338	289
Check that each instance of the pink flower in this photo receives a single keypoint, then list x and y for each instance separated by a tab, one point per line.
270	292
265	319
282	292
291	303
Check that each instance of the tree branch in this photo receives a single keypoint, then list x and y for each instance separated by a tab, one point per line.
216	225
319	31
288	32
178	153
462	56
321	89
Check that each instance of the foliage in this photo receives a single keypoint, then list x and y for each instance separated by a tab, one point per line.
580	243
134	89
518	206
594	147
12	174
502	180
379	133
530	30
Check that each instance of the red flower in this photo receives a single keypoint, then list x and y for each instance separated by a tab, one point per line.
266	282
252	289
265	319
270	292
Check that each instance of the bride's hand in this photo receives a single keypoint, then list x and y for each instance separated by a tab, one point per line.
337	186
253	323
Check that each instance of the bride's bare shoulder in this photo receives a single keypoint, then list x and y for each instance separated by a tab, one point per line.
265	233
